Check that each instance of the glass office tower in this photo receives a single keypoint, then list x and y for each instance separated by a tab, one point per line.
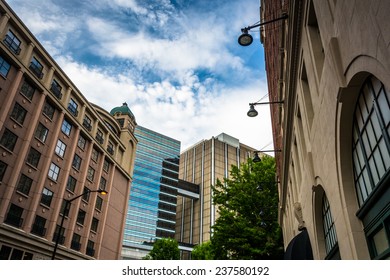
153	195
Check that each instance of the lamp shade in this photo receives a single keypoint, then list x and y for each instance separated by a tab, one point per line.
245	39
252	111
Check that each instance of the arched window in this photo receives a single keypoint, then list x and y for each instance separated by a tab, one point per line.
331	245
371	161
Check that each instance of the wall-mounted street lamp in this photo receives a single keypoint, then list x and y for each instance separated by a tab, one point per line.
252	111
256	157
65	212
246	39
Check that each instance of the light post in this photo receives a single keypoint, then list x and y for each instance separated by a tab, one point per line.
64	213
256	157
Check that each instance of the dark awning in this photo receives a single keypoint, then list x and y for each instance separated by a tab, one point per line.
299	247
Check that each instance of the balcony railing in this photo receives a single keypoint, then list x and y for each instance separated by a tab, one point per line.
38	230
90	251
61	238
14	220
56	91
75	245
10	43
36	70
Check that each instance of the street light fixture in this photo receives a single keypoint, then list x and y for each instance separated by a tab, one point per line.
246	39
256	157
64	212
252	111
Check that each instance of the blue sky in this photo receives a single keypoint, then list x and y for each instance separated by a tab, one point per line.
176	63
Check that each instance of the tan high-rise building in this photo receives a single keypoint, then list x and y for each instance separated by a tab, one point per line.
330	64
57	150
202	164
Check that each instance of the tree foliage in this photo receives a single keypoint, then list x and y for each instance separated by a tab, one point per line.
164	249
247	204
203	251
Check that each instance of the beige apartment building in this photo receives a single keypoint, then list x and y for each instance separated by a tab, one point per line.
329	62
202	164
57	150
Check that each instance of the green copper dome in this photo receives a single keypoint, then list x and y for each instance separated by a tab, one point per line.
123	110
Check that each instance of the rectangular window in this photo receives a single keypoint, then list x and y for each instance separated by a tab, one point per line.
76	245
3	168
103	183
72	107
54	171
18	113
82	142
56	89
90	173
38	227
12	42
81	217
71	184
60	234
64	204
95	155
99	203
60	148
14	216
106	165
24	184
99	136
41	132
66	127
110	148
94	224
48	110
47	196
90	251
8	140
87	123
33	157
36	67
4	67
76	162
86	194
27	90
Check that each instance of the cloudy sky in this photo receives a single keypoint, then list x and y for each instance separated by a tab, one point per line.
176	63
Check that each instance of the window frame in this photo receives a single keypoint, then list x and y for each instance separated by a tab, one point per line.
60	148
41	132
8	140
54	172
5	67
18	113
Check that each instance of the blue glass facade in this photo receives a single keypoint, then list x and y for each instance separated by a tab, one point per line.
153	195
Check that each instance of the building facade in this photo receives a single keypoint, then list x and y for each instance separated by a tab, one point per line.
55	147
202	164
330	64
151	212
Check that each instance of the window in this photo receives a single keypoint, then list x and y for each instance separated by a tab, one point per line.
18	113
66	127
47	196
71	184
76	245
99	203
27	90
56	89
106	165
48	110
41	132
86	194
82	142
103	183
36	67
90	173
8	253
87	123
90	251
64	204
331	244
60	148
94	224
72	107
81	217
24	184
54	171
12	42
76	162
8	140
110	148
38	227
33	157
95	155
99	136
4	67
371	162
60	234
3	168
14	216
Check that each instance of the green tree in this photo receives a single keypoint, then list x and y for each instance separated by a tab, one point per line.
203	251
164	249
247	202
